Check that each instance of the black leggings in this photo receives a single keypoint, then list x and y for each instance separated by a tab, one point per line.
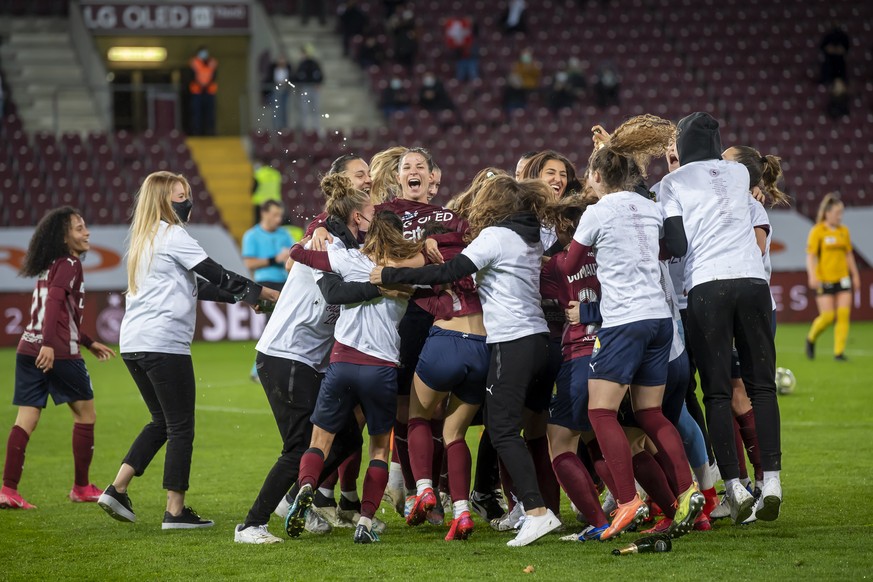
736	311
513	366
292	390
691	401
166	382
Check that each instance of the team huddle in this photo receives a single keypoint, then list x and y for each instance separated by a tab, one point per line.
564	313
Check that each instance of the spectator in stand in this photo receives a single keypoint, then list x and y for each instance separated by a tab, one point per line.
394	98
514	95
371	53
310	7
834	46
529	71
607	85
203	87
404	38
267	186
391	6
309	79
277	84
838	99
561	95
461	41
433	95
515	17
352	22
576	76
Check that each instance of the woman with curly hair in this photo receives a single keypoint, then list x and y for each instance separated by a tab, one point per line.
504	253
623	230
49	359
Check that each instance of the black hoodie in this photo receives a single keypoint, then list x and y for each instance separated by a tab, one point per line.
698	139
524	224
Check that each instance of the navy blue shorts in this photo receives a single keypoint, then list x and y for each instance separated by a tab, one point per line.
634	353
347	385
455	362
68	381
539	395
569	406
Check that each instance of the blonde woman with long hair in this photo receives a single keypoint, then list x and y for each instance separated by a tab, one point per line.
167	272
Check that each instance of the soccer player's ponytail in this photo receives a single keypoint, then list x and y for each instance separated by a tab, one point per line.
626	155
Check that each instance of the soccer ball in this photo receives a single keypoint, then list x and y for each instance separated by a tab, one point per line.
785	381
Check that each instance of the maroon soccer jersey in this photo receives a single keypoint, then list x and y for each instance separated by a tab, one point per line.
56	311
417	215
583	286
455	299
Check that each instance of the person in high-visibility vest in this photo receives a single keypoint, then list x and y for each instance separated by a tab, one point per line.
203	87
267	186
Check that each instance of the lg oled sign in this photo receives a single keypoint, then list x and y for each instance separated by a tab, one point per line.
165	18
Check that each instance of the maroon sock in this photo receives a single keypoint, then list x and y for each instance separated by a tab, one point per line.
577	483
348	472
507	484
460	468
420	448
650	475
664	462
401	445
330	481
436	430
546	480
749	434
667	439
83	451
374	486
616	452
741	458
311	465
600	466
15	447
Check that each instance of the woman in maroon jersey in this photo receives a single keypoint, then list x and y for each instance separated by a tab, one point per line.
49	359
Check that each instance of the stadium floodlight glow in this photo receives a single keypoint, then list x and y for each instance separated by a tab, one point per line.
138	54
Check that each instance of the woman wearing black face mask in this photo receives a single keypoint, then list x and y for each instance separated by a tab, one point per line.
167	271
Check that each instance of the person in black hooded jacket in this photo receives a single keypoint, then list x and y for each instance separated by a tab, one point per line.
708	207
504	253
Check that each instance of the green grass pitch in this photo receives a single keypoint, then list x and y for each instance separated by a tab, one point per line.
825	531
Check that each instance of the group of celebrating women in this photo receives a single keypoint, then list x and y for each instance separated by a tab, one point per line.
559	311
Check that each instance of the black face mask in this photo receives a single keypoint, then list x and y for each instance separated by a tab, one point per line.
362	236
183	209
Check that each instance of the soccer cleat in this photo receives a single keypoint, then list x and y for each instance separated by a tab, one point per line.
364	535
437	515
702	523
711	502
421	505
117	505
511	520
688	507
486	505
446	502
254	534
461	527
394	496
626	516
11	499
349	517
722	510
770	502
810	349
609	504
841	358
654	509
85	494
188	519
407	505
740	502
316	524
283	507
330	514
663	526
295	521
588	534
533	528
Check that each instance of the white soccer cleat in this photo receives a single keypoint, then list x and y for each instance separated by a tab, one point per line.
254	534
316	524
283	507
767	508
512	520
741	503
721	510
533	528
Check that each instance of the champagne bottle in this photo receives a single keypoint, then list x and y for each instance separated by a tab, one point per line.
647	545
266	306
